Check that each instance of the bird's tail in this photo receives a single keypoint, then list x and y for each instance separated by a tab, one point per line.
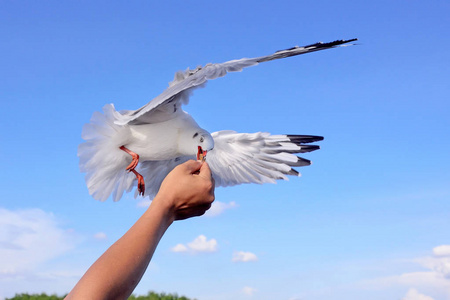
100	157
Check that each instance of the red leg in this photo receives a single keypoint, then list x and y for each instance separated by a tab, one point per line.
131	168
141	183
135	157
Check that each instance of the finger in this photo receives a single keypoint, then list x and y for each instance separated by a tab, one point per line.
192	166
204	207
205	171
190	212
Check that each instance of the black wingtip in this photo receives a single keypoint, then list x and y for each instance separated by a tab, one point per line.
293	172
308	148
321	45
304	139
301	162
330	44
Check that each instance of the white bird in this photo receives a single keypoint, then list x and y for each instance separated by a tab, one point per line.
140	147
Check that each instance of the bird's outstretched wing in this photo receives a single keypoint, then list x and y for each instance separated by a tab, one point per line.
257	157
169	101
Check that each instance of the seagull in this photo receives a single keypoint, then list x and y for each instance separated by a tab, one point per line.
138	148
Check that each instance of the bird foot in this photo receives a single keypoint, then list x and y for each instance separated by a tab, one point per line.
131	168
135	160
141	183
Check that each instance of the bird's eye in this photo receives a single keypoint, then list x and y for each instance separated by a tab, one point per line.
201	140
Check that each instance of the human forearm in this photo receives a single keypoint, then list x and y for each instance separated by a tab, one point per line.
186	192
117	272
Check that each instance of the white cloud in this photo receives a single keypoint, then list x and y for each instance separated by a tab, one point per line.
144	202
434	280
241	256
443	250
179	248
439	263
199	244
100	236
249	291
29	238
413	294
219	207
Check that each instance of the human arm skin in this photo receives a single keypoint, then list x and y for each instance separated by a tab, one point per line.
186	192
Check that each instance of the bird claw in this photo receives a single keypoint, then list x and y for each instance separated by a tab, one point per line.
133	164
141	183
131	168
135	160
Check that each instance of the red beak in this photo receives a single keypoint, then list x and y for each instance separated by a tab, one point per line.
201	155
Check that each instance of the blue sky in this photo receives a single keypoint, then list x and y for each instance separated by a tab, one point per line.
368	220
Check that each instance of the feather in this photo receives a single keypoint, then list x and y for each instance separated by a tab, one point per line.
256	158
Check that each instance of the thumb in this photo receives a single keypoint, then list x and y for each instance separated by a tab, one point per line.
192	166
205	171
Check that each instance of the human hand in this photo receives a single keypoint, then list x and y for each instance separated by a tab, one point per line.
187	191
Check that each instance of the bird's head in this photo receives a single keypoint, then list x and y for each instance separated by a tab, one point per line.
197	142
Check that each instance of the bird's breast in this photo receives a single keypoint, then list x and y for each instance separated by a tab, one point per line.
154	141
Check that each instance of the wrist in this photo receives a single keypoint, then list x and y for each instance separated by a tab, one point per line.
162	207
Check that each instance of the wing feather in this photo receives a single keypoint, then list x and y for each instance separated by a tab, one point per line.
256	157
179	90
